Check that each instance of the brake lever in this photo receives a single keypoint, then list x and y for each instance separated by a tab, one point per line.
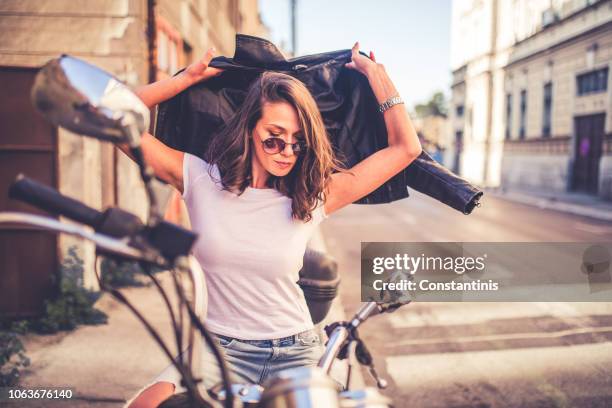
365	358
380	382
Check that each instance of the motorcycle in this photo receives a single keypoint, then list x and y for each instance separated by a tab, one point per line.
86	100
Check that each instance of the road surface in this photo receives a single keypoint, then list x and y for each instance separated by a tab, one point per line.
479	354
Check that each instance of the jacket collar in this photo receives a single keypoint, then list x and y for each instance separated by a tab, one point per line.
255	51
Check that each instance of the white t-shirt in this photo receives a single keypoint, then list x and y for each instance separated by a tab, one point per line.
251	251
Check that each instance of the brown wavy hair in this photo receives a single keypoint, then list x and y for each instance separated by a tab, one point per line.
230	149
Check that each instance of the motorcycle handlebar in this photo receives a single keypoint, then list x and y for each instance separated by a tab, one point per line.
48	199
103	242
113	222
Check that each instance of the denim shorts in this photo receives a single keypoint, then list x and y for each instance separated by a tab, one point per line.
254	361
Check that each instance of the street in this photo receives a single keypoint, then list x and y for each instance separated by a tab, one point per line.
479	354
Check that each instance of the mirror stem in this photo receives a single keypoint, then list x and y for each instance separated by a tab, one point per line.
133	136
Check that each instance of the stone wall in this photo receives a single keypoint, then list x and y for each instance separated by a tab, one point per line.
109	34
535	172
605	177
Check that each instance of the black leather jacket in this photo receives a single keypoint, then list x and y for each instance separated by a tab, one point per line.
345	99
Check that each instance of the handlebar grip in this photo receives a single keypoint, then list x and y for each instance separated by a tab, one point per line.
49	199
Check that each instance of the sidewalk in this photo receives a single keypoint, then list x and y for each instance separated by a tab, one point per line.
103	365
574	203
106	365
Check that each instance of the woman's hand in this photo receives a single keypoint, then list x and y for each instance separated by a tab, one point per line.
200	71
160	91
346	187
360	62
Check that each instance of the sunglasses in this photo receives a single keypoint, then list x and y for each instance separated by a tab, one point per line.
273	145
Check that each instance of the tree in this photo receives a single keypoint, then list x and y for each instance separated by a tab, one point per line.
436	106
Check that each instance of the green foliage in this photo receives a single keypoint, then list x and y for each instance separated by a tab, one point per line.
118	273
72	267
72	306
12	358
436	106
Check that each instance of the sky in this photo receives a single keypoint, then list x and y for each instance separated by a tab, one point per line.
410	37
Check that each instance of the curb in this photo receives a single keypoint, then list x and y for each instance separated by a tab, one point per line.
552	204
336	313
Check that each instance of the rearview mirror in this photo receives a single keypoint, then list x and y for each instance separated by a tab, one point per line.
85	99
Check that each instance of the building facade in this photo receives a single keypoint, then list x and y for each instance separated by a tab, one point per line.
530	97
136	40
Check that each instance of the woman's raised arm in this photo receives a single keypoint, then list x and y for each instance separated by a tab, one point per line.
167	163
160	91
366	176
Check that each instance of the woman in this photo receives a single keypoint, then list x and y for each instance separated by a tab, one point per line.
266	183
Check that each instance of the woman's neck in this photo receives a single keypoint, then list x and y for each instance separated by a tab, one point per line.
259	175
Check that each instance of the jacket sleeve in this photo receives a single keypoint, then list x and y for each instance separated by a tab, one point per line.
364	132
431	178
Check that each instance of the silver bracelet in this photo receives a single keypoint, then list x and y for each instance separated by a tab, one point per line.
392	101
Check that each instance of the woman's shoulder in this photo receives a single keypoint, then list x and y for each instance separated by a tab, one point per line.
195	169
195	166
319	214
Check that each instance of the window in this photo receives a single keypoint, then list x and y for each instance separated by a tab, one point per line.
162	51
172	58
508	116
546	121
523	123
592	82
458	150
168	50
459	110
188	53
